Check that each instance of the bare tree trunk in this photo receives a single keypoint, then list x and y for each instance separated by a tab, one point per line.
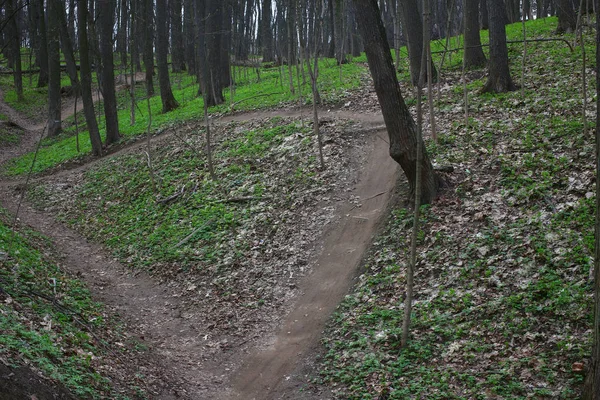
105	17
499	79
43	44
413	29
54	101
591	387
162	47
148	24
66	43
14	40
567	20
177	57
86	80
473	53
401	128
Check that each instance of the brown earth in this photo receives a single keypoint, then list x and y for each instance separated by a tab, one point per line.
271	367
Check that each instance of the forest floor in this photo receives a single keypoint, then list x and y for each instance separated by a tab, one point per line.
271	360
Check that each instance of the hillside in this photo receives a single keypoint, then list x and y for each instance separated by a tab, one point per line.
200	278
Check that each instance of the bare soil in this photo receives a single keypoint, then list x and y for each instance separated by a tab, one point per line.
273	366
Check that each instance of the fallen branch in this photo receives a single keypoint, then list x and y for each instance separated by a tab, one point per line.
514	42
188	237
243	199
172	197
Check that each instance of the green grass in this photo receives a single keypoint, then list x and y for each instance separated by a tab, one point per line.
502	308
111	199
249	94
43	318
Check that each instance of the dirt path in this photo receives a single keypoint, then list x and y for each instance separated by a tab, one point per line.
273	372
32	130
166	321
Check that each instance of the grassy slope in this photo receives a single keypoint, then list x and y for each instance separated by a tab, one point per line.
503	299
49	322
249	95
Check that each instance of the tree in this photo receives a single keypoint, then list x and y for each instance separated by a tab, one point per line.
401	128
338	21
54	103
567	20
65	42
162	47
177	58
148	24
499	79
413	28
214	55
105	19
591	387
266	33
86	79
40	21
14	42
473	54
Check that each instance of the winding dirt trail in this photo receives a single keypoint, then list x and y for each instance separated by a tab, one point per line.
161	315
273	372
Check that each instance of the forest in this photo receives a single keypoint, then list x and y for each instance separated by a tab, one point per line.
299	199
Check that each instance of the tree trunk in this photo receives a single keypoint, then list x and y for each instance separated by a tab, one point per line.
190	33
474	57
162	46
177	57
567	20
484	15
591	387
66	43
414	34
338	22
122	34
148	24
401	128
54	103
212	62
499	79
105	20
86	80
266	31
72	23
14	41
43	44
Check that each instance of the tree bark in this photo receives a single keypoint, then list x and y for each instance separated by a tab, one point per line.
338	21
499	79
105	18
65	42
122	33
485	25
190	33
39	19
474	57
86	80
567	20
54	103
162	46
266	31
212	62
14	41
591	387
148	24
177	57
413	29
401	128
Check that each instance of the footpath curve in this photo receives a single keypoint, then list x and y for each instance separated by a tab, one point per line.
274	371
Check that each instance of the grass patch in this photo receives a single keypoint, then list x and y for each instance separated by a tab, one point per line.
43	318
